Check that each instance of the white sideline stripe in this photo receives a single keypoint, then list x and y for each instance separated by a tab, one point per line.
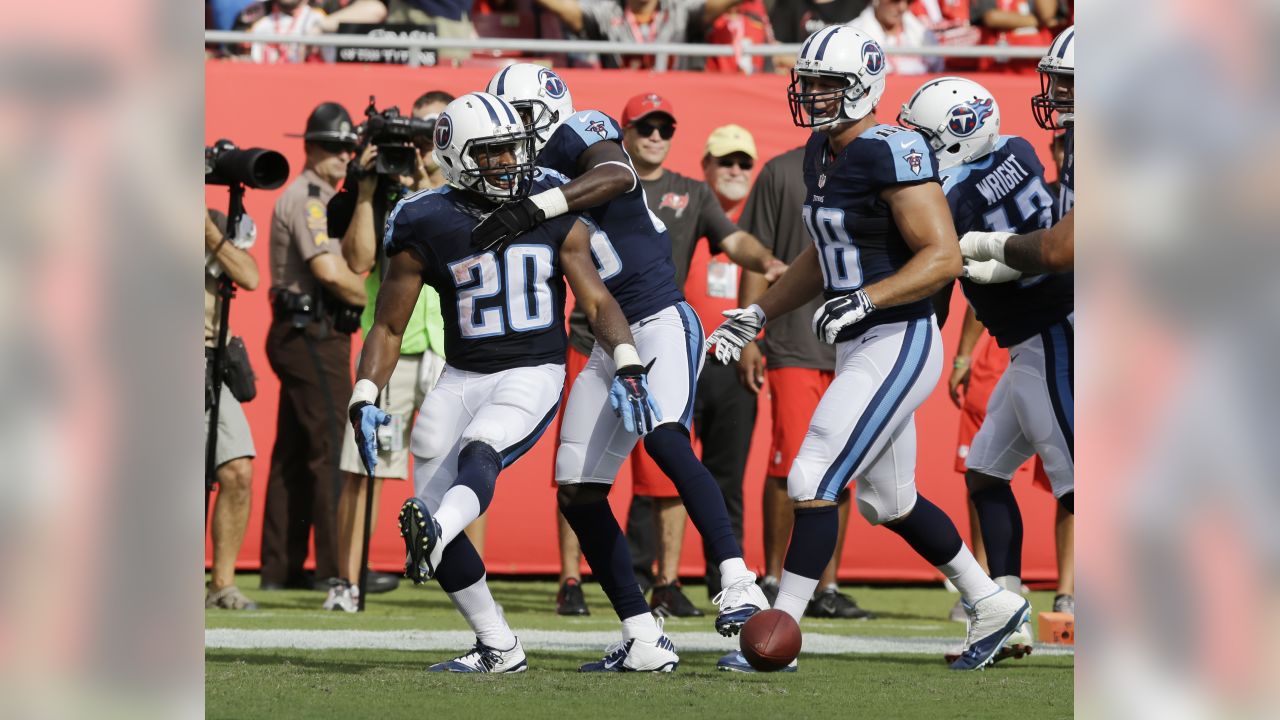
560	640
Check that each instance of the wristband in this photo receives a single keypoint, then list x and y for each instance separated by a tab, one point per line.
960	363
551	203
759	313
624	355
364	391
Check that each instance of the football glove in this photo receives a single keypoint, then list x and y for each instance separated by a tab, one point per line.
629	396
989	272
839	313
506	223
983	246
741	327
365	419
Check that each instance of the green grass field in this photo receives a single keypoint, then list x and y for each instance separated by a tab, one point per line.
278	681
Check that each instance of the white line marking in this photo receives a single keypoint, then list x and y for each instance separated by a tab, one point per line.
562	641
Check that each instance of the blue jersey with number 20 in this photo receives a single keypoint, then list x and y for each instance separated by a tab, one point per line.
852	227
502	308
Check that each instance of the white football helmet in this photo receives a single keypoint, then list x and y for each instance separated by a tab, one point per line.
474	137
958	117
1057	83
539	94
846	55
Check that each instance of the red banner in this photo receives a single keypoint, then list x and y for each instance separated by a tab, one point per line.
256	106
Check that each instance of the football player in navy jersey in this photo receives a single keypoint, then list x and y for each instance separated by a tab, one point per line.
633	254
1052	249
995	182
505	341
883	243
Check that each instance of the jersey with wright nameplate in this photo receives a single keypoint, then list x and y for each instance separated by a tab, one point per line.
851	226
1005	192
502	308
629	243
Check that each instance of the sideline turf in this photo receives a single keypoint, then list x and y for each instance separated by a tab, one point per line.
281	684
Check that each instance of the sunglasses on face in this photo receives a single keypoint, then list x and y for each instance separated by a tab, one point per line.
336	148
744	163
646	128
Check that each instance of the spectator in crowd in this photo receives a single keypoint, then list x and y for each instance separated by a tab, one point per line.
315	298
427	173
235	451
354	12
641	21
948	20
286	17
723	413
800	368
450	18
890	23
795	20
744	25
1014	23
222	14
357	214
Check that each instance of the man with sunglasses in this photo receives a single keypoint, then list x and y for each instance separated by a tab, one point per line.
723	412
310	280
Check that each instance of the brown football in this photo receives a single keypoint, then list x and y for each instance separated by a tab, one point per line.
770	640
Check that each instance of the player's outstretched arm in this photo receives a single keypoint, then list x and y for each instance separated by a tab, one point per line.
605	173
746	250
796	287
924	219
1040	251
629	393
396	299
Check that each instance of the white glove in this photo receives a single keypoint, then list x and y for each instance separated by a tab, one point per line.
839	313
741	327
983	246
989	272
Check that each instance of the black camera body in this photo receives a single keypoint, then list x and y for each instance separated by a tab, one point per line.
394	135
226	164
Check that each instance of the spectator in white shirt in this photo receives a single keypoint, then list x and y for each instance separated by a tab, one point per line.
893	25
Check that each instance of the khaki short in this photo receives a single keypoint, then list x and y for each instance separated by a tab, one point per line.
413	378
234	438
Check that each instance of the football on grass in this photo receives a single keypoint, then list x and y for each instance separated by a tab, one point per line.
770	640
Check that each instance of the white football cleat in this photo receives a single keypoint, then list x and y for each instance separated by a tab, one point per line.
342	596
738	602
484	659
992	621
637	656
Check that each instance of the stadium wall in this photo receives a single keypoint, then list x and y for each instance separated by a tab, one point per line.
258	105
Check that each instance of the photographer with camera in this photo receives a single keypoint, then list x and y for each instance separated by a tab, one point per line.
316	303
394	161
234	450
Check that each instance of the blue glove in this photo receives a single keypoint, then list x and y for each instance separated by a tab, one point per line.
629	396
839	313
365	419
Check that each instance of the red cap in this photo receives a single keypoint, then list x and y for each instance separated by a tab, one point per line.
646	104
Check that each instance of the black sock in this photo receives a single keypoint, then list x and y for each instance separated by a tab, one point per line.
929	532
605	549
1001	523
813	541
460	565
701	495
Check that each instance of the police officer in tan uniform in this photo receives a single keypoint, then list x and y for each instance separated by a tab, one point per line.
315	300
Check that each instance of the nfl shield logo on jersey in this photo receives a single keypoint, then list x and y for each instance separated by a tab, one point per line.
914	160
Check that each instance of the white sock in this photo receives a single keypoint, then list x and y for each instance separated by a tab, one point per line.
832	587
458	508
641	627
965	573
794	594
734	570
1012	583
477	605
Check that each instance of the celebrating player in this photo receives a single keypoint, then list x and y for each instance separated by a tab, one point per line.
633	254
1052	249
505	340
996	183
883	243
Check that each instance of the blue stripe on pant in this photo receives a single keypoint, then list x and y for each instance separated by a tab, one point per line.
1059	375
514	452
694	337
875	418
